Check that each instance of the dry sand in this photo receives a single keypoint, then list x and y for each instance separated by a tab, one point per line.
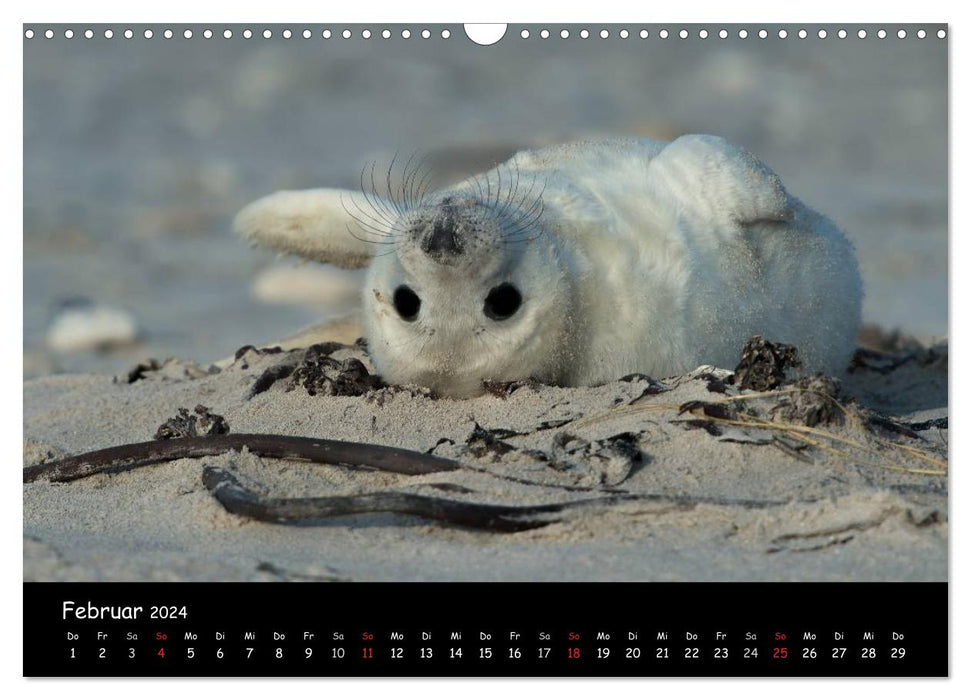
855	501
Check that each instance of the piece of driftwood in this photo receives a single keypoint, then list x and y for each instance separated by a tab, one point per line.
391	459
237	499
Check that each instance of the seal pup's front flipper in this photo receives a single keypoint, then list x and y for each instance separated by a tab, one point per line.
334	226
716	181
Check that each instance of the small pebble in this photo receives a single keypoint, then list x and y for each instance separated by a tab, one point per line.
91	328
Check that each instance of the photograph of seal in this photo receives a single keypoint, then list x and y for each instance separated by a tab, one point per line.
531	330
581	263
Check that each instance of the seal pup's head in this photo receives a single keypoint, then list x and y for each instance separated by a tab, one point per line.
469	291
463	286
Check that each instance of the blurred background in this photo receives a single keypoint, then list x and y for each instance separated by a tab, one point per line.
138	152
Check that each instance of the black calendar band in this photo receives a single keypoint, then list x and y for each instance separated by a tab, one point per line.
485	629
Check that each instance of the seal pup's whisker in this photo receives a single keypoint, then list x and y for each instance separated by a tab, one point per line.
527	220
380	231
398	205
513	191
403	182
528	217
393	251
518	234
386	233
420	172
363	239
376	226
366	239
423	185
479	194
380	202
376	201
518	208
488	183
408	178
388	191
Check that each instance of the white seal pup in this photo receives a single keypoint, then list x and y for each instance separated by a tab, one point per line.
578	264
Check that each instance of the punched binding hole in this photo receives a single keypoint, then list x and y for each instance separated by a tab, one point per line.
489	34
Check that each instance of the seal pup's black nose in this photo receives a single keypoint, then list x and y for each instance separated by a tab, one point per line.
442	241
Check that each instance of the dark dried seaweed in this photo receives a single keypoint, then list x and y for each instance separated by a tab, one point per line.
763	365
237	499
140	454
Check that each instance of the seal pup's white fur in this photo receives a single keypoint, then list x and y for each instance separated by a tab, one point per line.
627	256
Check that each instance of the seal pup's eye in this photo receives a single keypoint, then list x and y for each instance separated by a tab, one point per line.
503	301
406	302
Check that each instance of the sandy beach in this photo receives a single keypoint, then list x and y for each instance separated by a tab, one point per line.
718	483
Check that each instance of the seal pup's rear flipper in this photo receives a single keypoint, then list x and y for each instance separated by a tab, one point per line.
334	226
717	181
